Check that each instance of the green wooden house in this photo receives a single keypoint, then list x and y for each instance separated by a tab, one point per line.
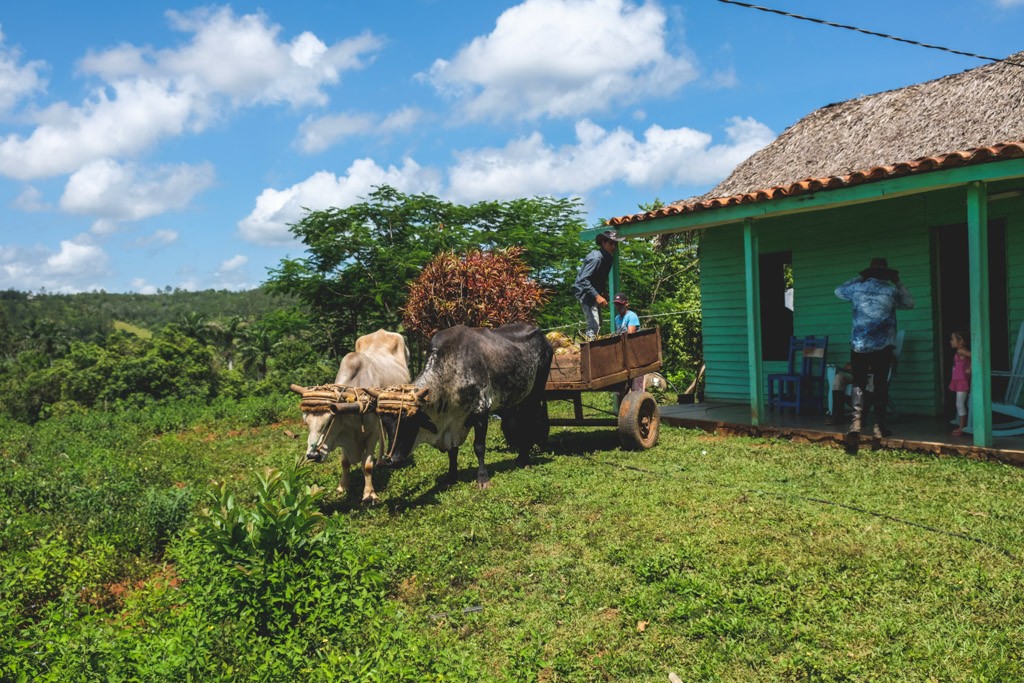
930	176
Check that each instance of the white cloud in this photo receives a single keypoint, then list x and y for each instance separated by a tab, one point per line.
157	241
1010	3
30	199
563	58
316	135
524	167
275	210
18	82
125	192
724	78
529	166
232	61
233	263
73	268
140	285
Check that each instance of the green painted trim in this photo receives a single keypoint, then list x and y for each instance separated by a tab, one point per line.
751	255
821	200
981	360
613	289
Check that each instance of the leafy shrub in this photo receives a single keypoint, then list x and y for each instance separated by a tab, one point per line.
281	523
163	513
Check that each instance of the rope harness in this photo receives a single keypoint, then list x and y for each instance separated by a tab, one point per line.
403	400
334	398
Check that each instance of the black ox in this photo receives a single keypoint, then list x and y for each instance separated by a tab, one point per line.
471	373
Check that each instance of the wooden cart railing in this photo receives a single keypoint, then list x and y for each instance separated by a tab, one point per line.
607	364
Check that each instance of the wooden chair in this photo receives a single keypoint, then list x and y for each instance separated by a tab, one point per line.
803	384
1008	407
892	410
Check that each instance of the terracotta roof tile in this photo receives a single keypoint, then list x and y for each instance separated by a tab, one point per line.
976	155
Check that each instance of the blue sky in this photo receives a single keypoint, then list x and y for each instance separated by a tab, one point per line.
145	145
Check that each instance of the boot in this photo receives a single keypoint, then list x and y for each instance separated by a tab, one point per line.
837	417
880	429
857	401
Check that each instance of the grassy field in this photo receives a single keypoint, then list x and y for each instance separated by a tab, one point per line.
133	329
718	559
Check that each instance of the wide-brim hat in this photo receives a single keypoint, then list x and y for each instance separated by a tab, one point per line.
879	269
608	235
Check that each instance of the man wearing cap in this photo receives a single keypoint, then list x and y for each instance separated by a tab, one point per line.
875	295
627	322
592	279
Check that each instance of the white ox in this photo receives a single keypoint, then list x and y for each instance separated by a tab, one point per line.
380	360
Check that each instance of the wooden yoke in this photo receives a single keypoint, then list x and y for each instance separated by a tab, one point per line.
405	399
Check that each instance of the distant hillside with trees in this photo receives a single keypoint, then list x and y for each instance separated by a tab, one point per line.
90	316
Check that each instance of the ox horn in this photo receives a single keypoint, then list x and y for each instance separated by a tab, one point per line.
297	389
338	407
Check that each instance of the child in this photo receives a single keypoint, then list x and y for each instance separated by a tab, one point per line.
961	382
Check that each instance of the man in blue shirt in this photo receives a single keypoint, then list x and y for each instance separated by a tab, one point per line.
627	322
875	295
593	278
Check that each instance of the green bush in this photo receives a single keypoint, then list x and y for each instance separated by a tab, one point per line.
256	592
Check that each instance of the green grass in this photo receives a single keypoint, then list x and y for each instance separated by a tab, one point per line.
717	558
140	332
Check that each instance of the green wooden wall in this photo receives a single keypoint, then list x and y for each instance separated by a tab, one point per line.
829	247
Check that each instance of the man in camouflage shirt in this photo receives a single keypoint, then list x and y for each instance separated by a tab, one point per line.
875	295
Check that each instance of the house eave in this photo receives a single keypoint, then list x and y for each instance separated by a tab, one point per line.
817	201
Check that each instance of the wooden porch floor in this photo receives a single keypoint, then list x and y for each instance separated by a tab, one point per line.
910	433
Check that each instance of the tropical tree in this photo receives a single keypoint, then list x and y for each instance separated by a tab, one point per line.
194	325
225	336
256	348
360	259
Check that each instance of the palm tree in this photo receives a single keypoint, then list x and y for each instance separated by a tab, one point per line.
256	347
226	336
193	324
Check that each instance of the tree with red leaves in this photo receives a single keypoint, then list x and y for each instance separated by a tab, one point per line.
478	289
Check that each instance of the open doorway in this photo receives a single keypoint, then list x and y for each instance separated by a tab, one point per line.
776	287
953	296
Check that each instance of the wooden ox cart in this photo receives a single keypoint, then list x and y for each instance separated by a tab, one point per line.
607	365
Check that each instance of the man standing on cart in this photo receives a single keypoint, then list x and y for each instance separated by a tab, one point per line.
593	279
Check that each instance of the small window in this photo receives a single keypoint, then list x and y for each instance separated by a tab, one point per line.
776	284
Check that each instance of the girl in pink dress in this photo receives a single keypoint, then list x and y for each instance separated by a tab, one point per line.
961	382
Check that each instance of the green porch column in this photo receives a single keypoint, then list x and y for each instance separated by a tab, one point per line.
613	289
981	359
753	301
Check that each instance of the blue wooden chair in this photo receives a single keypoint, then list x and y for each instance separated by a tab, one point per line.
802	386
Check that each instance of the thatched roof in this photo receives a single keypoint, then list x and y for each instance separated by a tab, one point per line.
978	108
975	108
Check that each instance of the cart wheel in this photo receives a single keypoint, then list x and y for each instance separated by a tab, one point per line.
638	421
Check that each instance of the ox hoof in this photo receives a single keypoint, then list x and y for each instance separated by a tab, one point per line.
395	463
370	501
483	484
